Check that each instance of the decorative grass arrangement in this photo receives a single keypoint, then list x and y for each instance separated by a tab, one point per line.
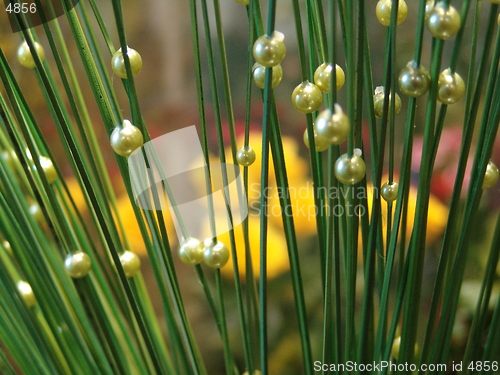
372	278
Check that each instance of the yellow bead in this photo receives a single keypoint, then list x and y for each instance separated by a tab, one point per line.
191	251
396	345
320	143
242	2
259	75
414	80
384	9
131	263
118	63
25	57
126	139
7	247
451	87
269	51
77	264
255	372
490	176
429	6
444	21
307	97
245	156
334	128
48	169
26	293
350	170
322	77
36	212
389	191
10	158
215	256
378	102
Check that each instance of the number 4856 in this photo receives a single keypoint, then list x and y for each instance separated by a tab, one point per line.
21	8
483	366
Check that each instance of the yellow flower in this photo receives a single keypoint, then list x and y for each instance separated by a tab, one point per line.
277	254
127	216
300	189
302	207
437	215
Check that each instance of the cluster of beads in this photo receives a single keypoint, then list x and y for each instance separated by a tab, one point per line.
378	102
193	252
126	139
384	10
25	57
350	170
118	63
